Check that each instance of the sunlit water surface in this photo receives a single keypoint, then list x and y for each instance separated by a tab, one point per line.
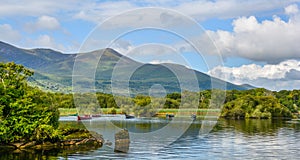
229	139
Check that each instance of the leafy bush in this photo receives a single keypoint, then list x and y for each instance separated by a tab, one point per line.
25	112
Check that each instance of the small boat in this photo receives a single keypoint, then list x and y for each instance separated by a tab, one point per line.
85	117
169	116
193	116
129	116
96	115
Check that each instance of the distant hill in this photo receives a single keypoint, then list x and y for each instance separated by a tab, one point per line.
53	71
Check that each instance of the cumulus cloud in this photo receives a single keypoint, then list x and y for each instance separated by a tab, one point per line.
45	41
43	23
291	9
122	46
293	74
98	11
8	34
47	22
151	53
36	7
160	61
270	41
269	75
200	10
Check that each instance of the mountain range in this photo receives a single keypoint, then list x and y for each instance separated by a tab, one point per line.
53	71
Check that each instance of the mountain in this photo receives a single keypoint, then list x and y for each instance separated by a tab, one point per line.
53	71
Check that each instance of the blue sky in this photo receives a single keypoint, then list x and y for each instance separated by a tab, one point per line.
257	40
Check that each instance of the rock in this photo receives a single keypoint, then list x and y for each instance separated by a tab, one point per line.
98	137
122	141
108	143
48	145
81	137
39	146
69	142
28	145
17	151
18	144
7	147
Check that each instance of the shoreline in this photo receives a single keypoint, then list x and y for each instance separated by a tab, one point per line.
184	113
76	139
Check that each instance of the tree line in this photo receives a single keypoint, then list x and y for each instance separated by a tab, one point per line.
254	103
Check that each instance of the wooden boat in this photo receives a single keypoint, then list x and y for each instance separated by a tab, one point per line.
129	116
96	115
169	116
193	116
85	117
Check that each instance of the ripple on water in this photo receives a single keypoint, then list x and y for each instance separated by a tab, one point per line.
254	139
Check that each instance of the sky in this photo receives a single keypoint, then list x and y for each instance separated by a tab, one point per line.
241	41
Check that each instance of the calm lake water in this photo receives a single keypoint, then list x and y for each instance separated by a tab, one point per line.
167	139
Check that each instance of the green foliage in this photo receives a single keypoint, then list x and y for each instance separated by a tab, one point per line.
24	110
113	111
142	100
46	133
250	106
254	103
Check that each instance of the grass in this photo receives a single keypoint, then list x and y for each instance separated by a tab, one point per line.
67	111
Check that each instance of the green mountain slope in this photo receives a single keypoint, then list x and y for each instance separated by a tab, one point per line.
53	71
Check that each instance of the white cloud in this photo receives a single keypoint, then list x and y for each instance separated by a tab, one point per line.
45	41
35	7
47	22
98	11
43	23
200	10
270	40
272	76
8	34
291	9
160	61
121	46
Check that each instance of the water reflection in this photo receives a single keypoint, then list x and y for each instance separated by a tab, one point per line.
229	139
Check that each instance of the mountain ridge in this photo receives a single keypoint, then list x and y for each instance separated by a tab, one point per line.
54	70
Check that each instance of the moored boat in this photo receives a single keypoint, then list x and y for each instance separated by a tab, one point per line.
193	116
96	115
85	117
129	116
169	116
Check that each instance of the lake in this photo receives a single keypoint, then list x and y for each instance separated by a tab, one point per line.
158	138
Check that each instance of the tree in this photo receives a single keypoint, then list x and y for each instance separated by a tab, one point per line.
25	112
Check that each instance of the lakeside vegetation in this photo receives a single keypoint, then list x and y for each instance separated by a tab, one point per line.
254	103
30	114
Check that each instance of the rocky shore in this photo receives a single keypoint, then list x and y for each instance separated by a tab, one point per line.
74	138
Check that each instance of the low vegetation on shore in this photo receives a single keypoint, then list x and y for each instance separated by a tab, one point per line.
255	103
29	116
